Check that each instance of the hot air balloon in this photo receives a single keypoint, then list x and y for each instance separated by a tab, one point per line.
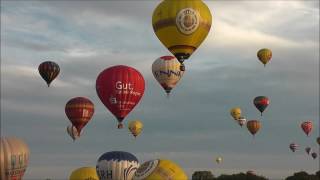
307	127
314	155
308	150
318	140
73	132
261	103
181	26
14	157
135	127
235	113
120	89
159	169
253	126
79	110
166	70
84	173
264	55
219	160
242	121
293	147
117	165
49	71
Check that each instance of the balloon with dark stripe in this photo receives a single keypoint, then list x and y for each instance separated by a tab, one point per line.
261	103
293	147
49	71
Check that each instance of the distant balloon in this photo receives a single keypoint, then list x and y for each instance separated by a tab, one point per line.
120	88
308	150
14	157
318	140
135	127
293	147
181	26
117	165
261	103
79	110
242	121
235	113
264	55
314	155
49	71
166	70
253	126
84	173
307	127
160	169
73	132
219	160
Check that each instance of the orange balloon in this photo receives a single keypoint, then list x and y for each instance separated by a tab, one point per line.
253	126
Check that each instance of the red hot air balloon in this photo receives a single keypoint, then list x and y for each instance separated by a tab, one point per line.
79	110
120	89
307	127
261	103
49	71
293	147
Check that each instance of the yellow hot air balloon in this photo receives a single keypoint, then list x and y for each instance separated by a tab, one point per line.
219	160
14	157
181	26
235	113
84	173
166	70
135	127
160	169
264	55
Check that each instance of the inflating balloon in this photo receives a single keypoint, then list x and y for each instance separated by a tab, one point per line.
73	132
261	103
84	173
160	169
79	111
293	147
235	113
264	55
253	126
166	70
120	89
307	127
49	71
117	165
135	127
181	26
14	157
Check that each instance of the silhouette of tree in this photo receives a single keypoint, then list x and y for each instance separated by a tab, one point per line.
202	175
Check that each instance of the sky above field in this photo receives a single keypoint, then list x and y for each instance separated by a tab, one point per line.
193	127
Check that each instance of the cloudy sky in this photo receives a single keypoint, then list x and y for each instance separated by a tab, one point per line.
193	127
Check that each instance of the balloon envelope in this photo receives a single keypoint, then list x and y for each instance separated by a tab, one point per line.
49	71
117	165
306	127
166	70
79	110
264	55
219	160
14	157
314	155
235	113
160	169
84	173
308	150
135	127
120	88
293	147
261	103
242	121
181	25
253	126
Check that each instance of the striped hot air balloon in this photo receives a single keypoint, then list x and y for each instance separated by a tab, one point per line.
79	110
293	147
261	103
49	71
264	55
253	126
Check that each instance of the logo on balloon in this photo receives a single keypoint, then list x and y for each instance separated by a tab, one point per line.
187	21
